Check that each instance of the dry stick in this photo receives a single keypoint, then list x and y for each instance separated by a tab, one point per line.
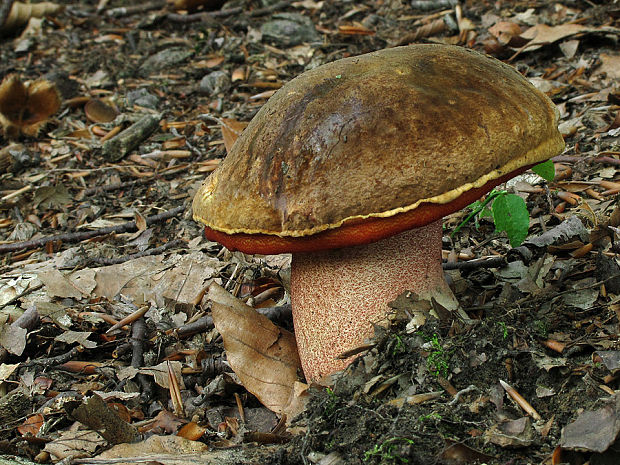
24	293
120	145
84	235
493	262
134	9
137	341
53	362
206	16
116	186
102	261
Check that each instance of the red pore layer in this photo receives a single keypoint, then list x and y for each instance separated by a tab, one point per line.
357	232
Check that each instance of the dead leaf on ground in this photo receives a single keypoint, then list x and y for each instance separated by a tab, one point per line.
13	338
263	355
231	130
74	443
610	65
593	431
542	34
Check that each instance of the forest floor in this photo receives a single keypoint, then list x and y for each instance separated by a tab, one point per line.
92	232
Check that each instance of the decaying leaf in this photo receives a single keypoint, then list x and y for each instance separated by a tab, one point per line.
543	34
25	108
593	431
74	443
231	130
263	355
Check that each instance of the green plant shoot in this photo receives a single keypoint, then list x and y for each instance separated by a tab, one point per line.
508	211
545	170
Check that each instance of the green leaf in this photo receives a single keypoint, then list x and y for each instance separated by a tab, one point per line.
545	170
510	214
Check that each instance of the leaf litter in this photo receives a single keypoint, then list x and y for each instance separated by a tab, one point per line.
177	88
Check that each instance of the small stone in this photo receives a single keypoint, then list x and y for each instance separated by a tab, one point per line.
289	29
215	83
142	98
164	59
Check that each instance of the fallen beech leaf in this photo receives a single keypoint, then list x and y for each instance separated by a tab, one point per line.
231	130
610	65
458	453
74	443
165	422
542	34
593	431
31	425
192	431
171	450
263	355
507	33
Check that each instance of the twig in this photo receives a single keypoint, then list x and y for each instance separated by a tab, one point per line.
116	186
84	235
209	16
520	400
25	292
137	8
53	361
493	262
429	5
120	145
145	253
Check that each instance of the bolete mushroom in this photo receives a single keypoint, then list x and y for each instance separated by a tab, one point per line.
351	166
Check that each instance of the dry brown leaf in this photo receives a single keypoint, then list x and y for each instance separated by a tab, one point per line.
31	425
505	32
165	422
541	34
610	65
231	130
263	355
192	431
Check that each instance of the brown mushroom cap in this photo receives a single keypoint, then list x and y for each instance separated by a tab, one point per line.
376	139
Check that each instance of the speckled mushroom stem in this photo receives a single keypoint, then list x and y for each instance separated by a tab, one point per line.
337	295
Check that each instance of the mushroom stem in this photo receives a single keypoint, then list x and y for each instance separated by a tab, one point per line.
337	295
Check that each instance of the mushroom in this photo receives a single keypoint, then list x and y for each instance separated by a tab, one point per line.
351	167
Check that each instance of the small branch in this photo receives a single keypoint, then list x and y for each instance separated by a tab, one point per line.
493	262
25	292
102	261
53	361
135	9
84	235
120	145
210	16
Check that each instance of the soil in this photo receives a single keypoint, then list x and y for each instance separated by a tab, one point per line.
543	323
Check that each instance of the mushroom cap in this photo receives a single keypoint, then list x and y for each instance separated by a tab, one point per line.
402	135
